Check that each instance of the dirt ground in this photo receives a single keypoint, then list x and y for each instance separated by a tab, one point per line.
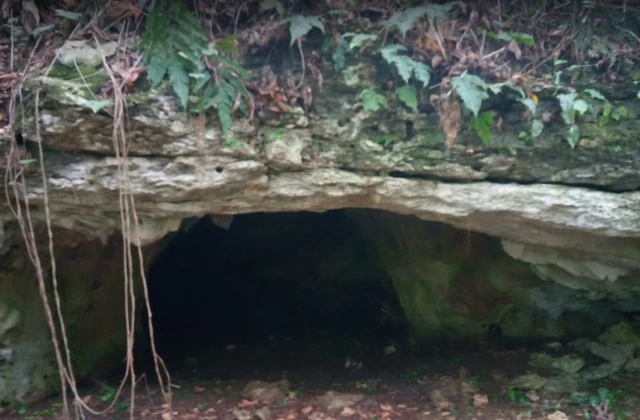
334	378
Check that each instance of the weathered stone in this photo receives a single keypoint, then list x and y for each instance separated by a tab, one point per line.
85	52
268	392
568	363
571	216
622	333
335	401
563	385
529	382
90	287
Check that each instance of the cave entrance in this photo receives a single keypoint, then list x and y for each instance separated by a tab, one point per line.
279	285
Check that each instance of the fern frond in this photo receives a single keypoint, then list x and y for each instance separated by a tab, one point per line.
180	81
177	47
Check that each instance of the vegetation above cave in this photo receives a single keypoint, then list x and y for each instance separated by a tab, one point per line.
263	59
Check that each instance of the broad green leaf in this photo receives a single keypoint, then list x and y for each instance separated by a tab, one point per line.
406	66
27	161
408	94
301	25
557	77
68	15
536	128
482	126
638	95
573	135
422	73
528	102
606	109
96	105
595	94
566	104
559	62
580	106
472	91
619	112
372	101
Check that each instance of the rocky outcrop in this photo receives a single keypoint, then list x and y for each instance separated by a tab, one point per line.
571	214
90	282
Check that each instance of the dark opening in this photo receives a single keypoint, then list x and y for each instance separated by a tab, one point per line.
272	282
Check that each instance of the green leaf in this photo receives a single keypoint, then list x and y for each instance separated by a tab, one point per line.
372	101
573	135
606	109
228	45
566	105
528	102
482	126
595	94
525	39
180	83
157	70
472	91
580	106
619	112
39	30
301	25
407	67
96	105
68	15
404	20
638	95
235	143
408	94
536	128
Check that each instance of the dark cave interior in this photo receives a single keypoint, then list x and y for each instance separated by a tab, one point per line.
302	277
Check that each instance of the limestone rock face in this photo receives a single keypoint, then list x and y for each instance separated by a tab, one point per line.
90	283
571	216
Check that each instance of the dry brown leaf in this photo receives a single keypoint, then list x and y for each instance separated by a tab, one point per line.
199	389
348	412
386	407
30	16
87	399
247	403
515	49
119	8
436	61
307	409
480	400
450	115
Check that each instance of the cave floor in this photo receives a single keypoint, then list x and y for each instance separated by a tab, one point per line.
386	380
